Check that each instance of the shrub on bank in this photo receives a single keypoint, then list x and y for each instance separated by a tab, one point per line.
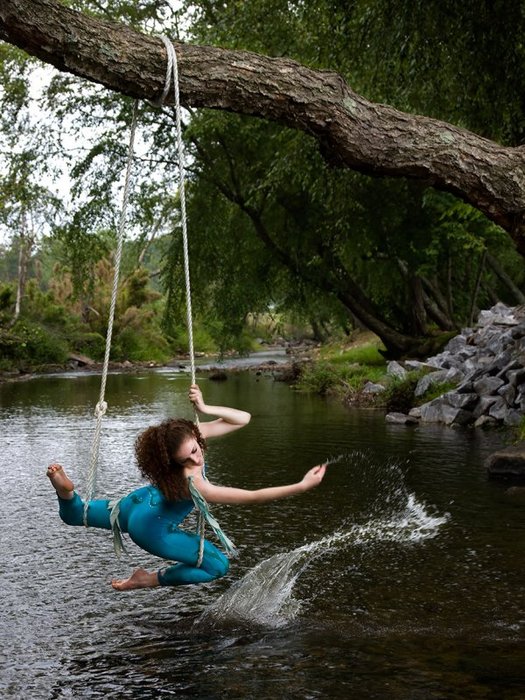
346	372
135	347
92	345
343	371
367	355
327	377
28	344
399	395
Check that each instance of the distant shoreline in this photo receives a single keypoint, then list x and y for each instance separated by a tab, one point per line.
212	367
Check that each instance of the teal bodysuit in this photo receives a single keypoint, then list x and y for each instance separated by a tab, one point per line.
152	522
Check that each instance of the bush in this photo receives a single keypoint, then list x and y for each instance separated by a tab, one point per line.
202	340
520	430
437	389
32	344
91	344
399	395
368	355
325	377
129	345
7	297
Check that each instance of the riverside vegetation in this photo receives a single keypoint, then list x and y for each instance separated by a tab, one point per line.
52	337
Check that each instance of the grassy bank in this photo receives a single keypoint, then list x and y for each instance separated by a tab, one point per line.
346	370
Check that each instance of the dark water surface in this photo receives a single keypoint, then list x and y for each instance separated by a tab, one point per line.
400	577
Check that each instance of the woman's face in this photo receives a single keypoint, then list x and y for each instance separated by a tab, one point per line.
190	454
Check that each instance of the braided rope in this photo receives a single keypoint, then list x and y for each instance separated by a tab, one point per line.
101	407
172	72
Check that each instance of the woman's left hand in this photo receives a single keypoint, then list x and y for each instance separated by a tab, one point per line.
314	477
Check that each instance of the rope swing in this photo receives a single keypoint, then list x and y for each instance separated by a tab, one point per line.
101	407
203	511
172	73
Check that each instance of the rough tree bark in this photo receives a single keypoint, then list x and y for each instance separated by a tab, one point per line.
352	132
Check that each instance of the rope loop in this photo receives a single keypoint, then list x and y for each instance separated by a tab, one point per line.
100	409
169	69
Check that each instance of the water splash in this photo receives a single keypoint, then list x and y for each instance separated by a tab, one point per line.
264	595
344	457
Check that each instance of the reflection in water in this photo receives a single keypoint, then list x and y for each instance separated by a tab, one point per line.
400	577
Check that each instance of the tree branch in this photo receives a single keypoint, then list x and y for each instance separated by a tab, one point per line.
352	132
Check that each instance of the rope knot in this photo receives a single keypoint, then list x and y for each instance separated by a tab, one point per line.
172	61
100	409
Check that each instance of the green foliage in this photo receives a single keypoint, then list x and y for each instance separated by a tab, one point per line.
30	344
203	340
93	345
520	430
42	306
7	300
411	67
399	394
138	291
135	347
14	72
367	354
324	377
435	390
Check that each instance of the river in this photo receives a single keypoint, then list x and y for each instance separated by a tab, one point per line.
400	577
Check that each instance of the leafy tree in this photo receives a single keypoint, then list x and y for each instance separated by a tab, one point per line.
26	211
393	236
366	248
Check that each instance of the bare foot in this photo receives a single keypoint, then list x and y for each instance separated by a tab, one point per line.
61	481
140	578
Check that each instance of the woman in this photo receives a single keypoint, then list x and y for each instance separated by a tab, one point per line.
171	456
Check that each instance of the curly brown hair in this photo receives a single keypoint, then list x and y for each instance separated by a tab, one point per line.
155	449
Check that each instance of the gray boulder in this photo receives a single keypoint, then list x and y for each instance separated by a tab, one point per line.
400	419
488	361
372	388
394	369
508	463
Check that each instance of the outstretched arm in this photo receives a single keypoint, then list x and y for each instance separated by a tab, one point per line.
228	419
234	496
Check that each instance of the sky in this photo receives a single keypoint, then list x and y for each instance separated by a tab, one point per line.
57	179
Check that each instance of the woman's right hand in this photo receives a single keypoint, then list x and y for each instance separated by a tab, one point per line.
195	396
313	477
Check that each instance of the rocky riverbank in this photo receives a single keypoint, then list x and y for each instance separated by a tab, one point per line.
487	365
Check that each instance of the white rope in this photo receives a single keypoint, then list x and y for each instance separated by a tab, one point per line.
172	72
101	407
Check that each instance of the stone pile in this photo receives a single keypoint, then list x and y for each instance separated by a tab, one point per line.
487	365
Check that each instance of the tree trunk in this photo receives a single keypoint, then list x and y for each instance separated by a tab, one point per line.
475	292
434	291
349	294
505	279
352	132
418	313
24	252
437	315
